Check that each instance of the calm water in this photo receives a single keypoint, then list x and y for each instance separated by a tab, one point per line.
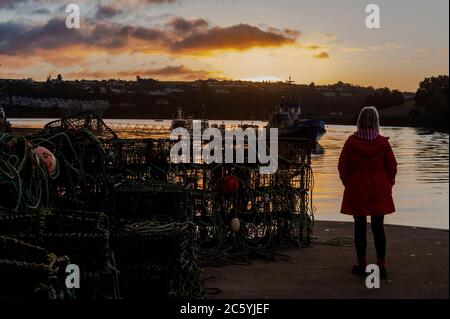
421	193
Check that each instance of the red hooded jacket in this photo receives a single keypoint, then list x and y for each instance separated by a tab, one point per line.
367	169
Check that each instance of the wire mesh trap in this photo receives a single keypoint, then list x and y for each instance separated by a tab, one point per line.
79	236
137	224
29	271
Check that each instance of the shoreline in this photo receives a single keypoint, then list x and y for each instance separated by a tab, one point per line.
385	223
344	123
417	268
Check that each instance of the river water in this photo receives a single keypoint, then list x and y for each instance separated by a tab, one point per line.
421	193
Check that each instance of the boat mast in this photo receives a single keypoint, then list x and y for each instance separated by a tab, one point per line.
180	113
292	98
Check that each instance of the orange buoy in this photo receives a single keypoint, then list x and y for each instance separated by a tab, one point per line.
228	185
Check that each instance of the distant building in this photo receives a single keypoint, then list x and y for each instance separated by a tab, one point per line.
222	91
59	103
117	90
46	103
329	93
408	95
169	90
4	100
157	93
345	94
162	102
335	113
125	104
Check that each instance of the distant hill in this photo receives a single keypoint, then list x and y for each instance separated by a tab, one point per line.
398	110
337	103
399	115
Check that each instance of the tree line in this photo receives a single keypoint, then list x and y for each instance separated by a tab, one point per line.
383	98
432	100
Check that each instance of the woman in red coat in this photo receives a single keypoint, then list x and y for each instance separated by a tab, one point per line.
367	168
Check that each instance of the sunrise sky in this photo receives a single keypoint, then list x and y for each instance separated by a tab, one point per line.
322	40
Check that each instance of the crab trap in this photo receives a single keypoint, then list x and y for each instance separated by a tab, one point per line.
159	220
233	206
30	271
149	199
240	214
157	259
79	236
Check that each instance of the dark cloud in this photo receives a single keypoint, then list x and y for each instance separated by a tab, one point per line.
107	12
9	4
177	36
186	26
180	71
238	37
169	72
17	38
322	55
145	34
292	33
41	11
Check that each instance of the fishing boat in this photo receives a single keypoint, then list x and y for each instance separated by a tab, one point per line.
187	123
288	119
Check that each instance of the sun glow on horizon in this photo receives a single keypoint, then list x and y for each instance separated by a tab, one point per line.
170	40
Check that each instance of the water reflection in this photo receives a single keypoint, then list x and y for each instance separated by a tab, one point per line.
422	190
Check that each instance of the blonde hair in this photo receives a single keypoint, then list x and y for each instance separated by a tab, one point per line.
368	118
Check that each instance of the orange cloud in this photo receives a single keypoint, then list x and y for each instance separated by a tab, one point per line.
179	72
312	46
239	37
196	37
51	44
322	55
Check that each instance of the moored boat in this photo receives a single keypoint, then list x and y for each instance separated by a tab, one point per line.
287	118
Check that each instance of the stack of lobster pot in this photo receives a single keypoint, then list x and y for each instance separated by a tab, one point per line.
153	239
43	242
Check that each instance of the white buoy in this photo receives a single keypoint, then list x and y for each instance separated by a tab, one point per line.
235	225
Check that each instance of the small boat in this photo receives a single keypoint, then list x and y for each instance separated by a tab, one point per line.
287	118
180	121
187	123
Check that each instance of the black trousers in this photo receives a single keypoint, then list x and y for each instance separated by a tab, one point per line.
377	223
